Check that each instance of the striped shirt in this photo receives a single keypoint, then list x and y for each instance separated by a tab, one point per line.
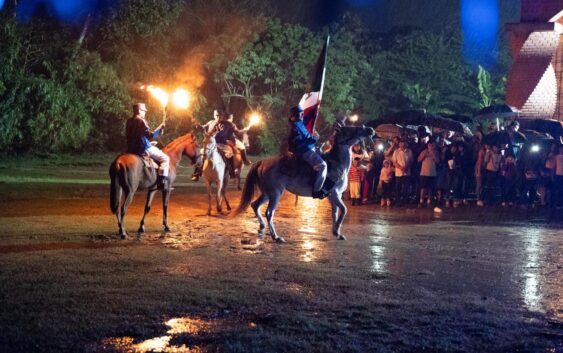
356	174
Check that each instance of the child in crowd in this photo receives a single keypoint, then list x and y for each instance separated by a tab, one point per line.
356	177
386	178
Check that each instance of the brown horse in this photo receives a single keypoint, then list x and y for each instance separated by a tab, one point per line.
129	173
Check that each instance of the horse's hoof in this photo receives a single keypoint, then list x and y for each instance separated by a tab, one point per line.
340	237
141	230
239	188
279	240
166	229
228	208
123	236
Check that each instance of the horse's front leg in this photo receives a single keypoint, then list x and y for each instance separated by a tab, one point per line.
150	197
209	196
337	219
224	192
219	197
165	201
270	211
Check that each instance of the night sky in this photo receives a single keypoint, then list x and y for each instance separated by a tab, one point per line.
480	20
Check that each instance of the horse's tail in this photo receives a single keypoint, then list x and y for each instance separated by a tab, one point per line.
115	188
248	190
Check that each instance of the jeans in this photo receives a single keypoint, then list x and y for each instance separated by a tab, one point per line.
319	165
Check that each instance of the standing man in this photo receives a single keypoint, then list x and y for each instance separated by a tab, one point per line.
138	136
302	144
402	159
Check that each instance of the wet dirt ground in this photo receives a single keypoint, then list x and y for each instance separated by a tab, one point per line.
406	280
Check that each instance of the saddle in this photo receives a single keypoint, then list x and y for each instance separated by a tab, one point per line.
150	167
291	165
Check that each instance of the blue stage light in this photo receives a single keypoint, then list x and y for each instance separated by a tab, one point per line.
69	10
480	21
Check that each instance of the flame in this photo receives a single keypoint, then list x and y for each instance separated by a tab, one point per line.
354	118
255	118
181	98
160	94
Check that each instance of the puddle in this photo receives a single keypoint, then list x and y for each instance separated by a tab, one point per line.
184	334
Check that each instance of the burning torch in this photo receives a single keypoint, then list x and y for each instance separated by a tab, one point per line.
180	98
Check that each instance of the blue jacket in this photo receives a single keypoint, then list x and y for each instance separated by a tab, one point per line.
300	140
139	135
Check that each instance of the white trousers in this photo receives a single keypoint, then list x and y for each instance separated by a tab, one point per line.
161	158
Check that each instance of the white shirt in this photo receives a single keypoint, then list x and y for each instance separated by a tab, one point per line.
404	159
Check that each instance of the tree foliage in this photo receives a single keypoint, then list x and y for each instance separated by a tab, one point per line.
59	93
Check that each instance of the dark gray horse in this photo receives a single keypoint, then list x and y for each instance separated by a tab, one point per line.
129	173
272	181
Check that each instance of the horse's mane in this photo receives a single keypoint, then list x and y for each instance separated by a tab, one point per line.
178	141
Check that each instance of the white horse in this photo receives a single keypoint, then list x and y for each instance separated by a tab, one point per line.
214	170
268	175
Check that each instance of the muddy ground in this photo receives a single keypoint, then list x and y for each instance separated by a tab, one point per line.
406	280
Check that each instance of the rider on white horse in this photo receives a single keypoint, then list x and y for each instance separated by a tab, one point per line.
302	144
207	128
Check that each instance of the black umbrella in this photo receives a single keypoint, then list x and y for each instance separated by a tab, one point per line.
458	117
536	136
497	111
504	138
418	117
549	126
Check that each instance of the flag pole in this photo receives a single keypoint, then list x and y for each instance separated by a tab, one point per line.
322	81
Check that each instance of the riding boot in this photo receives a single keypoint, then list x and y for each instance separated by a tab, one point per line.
245	157
231	165
197	173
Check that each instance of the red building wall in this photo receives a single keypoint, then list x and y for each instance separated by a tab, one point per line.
535	81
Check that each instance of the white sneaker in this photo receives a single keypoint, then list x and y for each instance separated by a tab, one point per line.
382	203
456	204
503	204
465	202
480	203
388	203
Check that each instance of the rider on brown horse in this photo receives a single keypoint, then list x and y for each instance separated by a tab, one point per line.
139	135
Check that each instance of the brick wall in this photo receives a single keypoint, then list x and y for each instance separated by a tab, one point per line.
558	65
532	83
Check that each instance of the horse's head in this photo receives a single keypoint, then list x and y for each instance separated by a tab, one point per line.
350	135
190	149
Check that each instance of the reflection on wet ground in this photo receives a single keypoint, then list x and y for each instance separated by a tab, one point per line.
486	259
184	335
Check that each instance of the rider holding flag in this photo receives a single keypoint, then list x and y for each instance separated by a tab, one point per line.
302	144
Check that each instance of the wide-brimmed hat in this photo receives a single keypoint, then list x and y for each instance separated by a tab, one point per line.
140	107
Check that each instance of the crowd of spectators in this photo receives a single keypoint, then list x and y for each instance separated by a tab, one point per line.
434	171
